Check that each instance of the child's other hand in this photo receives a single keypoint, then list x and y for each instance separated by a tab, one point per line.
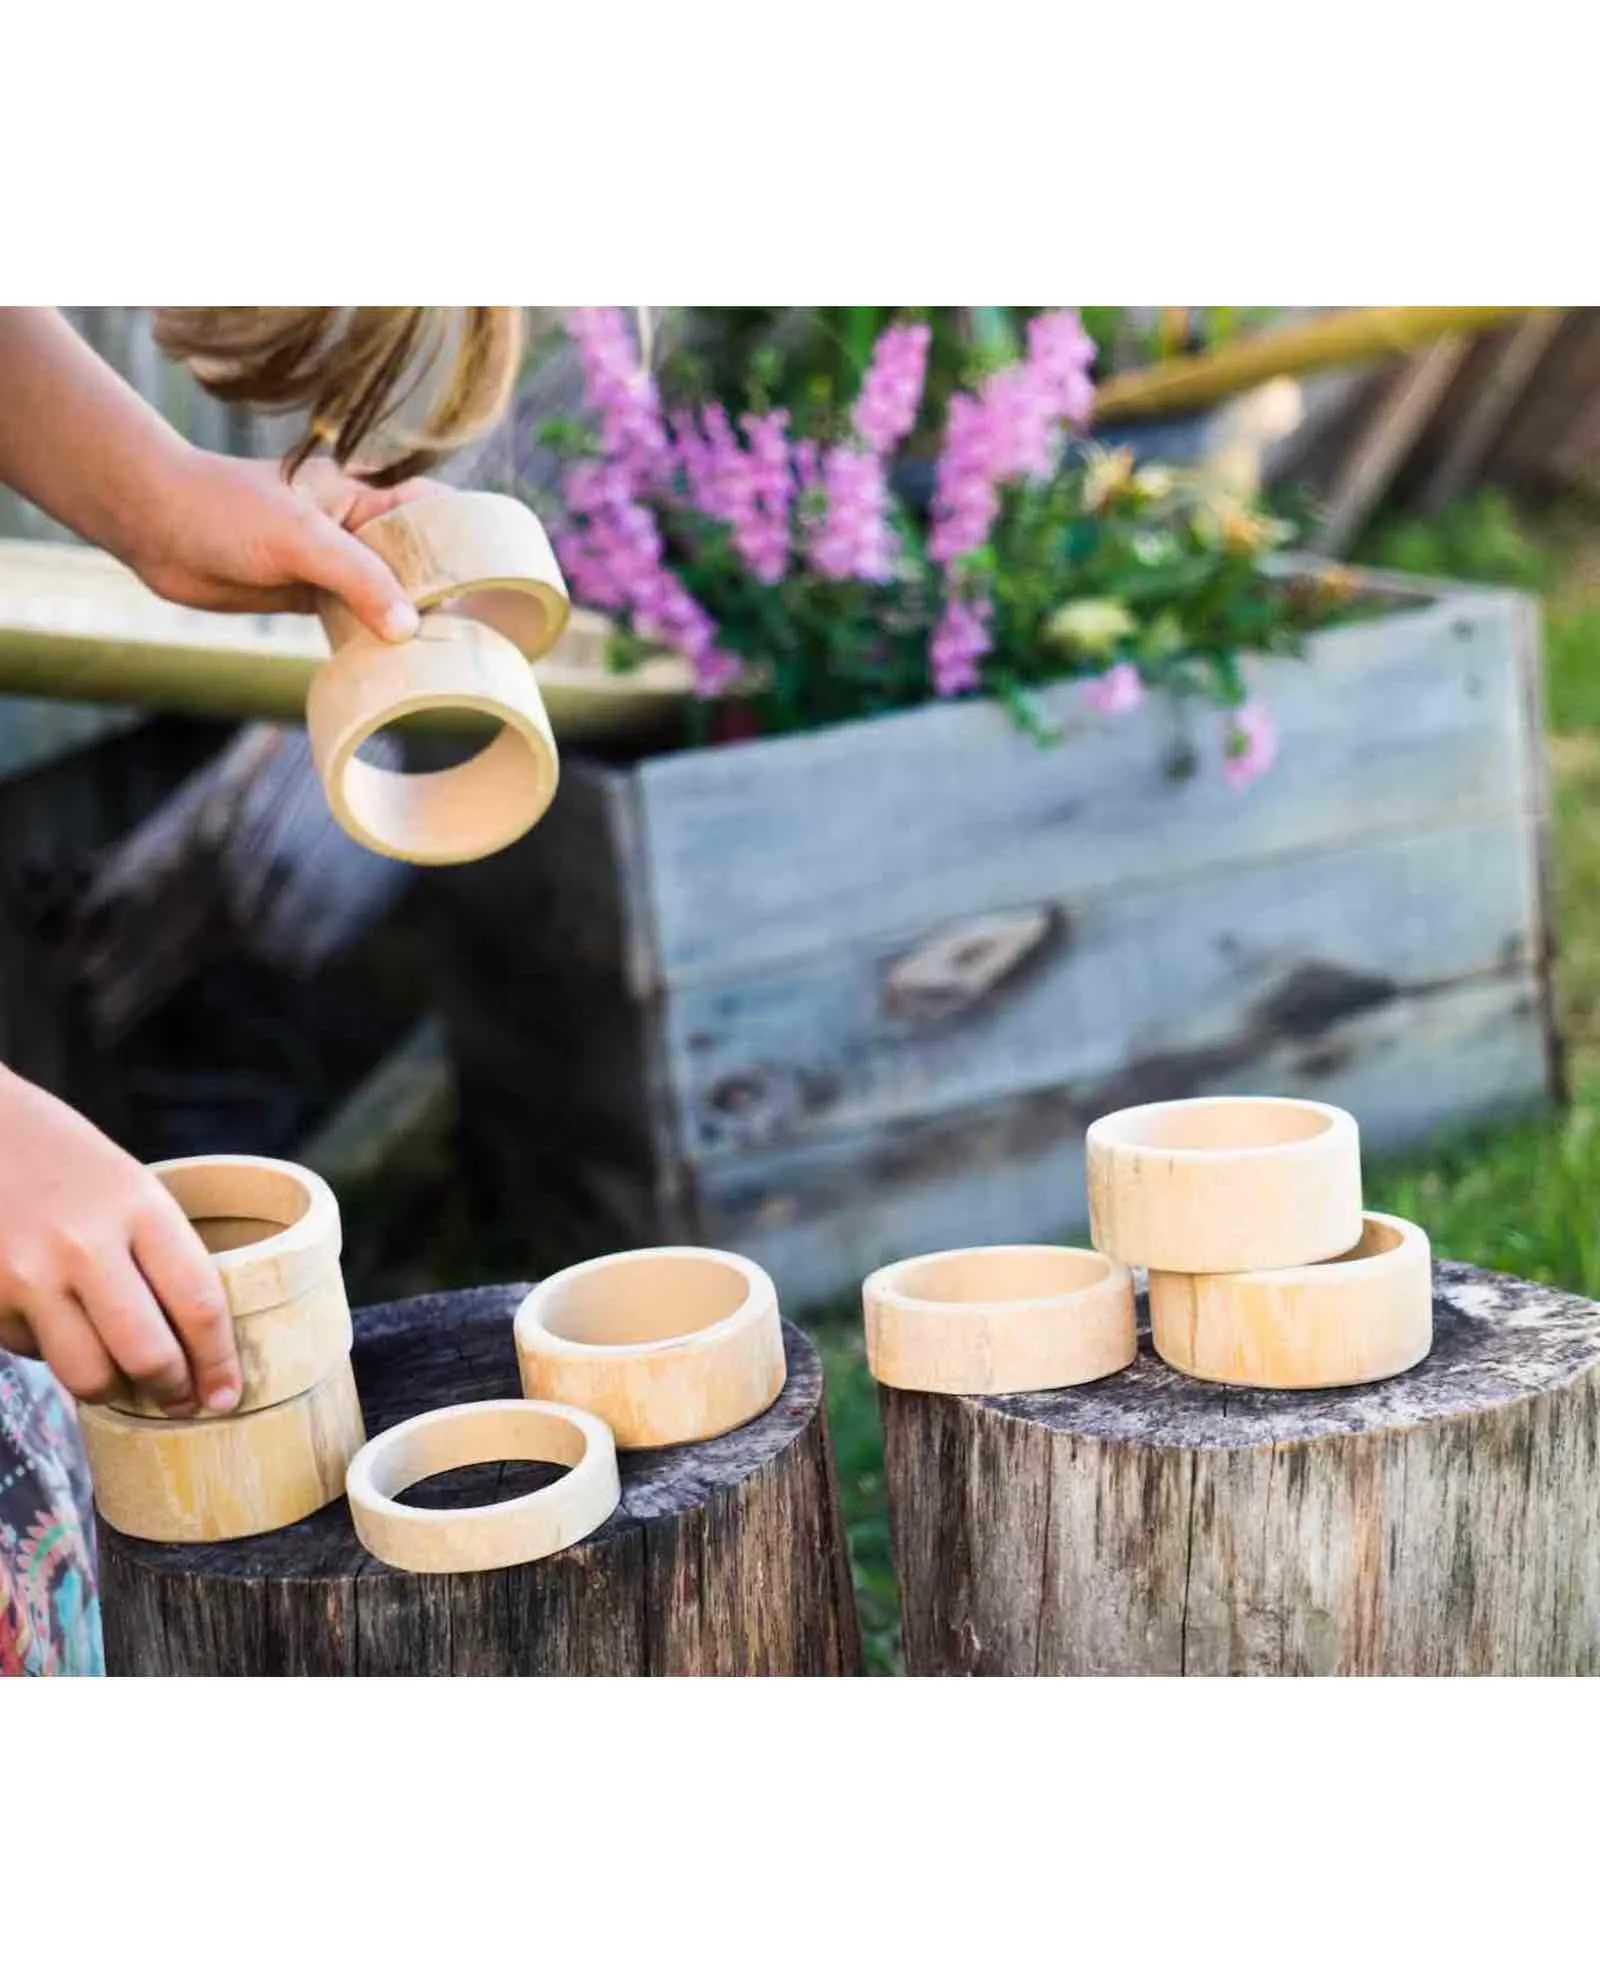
100	1272
233	536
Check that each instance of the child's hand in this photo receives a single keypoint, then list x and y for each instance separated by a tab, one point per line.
100	1272
233	536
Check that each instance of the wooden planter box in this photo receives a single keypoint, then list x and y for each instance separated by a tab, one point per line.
833	999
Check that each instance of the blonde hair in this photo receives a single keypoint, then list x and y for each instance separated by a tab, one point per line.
451	373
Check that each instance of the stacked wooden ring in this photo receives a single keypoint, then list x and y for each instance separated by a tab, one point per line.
670	1345
273	1229
990	1321
480	570
1265	1271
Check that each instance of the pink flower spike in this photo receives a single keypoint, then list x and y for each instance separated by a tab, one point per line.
964	499
1117	692
886	407
1250	748
960	641
851	538
623	395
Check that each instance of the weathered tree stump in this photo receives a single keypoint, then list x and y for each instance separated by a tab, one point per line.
1446	1522
726	1557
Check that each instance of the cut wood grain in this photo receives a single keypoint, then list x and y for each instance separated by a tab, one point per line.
1356	1319
492	1534
666	1345
1224	1184
218	1479
1447	1522
482	556
441	817
726	1557
990	1319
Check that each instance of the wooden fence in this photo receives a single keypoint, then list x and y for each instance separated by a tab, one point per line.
123	337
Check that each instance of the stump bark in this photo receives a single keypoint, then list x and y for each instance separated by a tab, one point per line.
1445	1522
723	1558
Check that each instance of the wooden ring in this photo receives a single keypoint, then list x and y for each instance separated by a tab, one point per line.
433	818
282	1351
669	1344
1366	1315
219	1479
1225	1184
449	1540
483	557
271	1227
986	1321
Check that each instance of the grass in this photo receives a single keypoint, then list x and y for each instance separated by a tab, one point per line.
1521	1198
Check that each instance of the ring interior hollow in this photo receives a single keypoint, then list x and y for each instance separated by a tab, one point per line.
232	1205
528	619
985	1277
1222	1125
471	1440
1376	1239
491	798
628	1301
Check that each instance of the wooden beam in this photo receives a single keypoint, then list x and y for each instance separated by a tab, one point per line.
1343	337
1521	352
1384	442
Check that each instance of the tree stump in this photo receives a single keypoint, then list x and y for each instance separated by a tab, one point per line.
1445	1522
726	1557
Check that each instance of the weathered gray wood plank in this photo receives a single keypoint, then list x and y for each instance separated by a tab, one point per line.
848	1037
783	847
822	1214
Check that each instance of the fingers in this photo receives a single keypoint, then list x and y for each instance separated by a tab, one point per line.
327	556
183	1277
136	1334
77	1357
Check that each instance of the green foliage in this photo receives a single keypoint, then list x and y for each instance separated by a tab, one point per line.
1479	540
1572	667
1110	564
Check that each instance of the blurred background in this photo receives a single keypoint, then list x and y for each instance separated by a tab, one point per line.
971	720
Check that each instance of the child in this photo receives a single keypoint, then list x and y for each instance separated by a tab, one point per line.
101	1276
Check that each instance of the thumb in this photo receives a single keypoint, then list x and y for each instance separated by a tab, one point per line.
328	557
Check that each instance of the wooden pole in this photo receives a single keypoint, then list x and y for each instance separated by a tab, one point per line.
1343	337
1444	1522
76	627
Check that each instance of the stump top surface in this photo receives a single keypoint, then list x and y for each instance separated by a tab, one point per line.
455	1348
1496	1341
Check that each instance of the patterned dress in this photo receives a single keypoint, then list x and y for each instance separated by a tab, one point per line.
49	1607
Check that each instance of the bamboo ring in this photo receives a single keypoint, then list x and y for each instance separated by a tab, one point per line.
433	818
668	1345
1366	1315
1224	1184
446	1540
272	1227
483	557
282	1351
988	1321
219	1479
